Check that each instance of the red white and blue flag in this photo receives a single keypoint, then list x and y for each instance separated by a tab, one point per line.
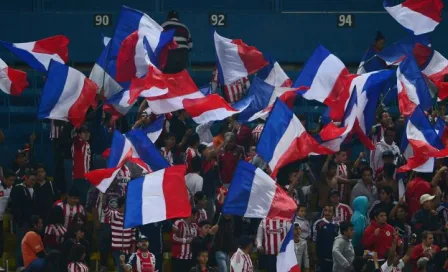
286	258
236	60
12	81
412	88
67	94
285	140
213	108
419	16
253	194
118	104
164	189
38	54
396	52
274	75
135	29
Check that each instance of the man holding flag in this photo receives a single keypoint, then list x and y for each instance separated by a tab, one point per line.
370	62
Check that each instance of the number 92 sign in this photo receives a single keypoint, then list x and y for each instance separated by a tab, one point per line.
100	20
217	19
345	20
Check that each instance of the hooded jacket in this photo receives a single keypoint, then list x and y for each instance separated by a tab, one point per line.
379	243
359	219
380	148
343	254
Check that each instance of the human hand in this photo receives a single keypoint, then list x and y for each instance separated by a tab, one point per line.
361	155
443	169
377	232
188	132
260	249
214	229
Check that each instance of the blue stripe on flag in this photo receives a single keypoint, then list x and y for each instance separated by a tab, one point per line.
420	121
116	149
261	93
54	85
311	67
276	125
134	202
238	196
25	56
147	150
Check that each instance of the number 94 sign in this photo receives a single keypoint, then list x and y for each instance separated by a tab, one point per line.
345	20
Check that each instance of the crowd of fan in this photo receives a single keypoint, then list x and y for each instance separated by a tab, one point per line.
357	217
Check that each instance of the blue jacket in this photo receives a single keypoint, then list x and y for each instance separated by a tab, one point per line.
359	219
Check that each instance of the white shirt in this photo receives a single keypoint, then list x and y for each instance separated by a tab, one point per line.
4	198
391	268
194	182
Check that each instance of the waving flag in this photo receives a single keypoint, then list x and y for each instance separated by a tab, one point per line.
12	81
253	194
120	151
213	108
169	90
102	178
328	80
154	129
164	189
144	149
425	144
235	59
419	16
274	75
38	54
412	88
286	258
285	140
105	40
134	57
118	105
396	52
439	127
434	66
370	62
67	94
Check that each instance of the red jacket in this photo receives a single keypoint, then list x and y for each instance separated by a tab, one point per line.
414	190
379	243
81	158
418	252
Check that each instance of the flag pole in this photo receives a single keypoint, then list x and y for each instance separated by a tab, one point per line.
367	61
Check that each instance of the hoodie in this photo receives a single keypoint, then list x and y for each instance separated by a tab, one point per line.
359	219
343	254
382	146
379	243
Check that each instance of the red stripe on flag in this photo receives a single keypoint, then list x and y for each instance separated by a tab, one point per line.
126	69
405	105
53	45
429	8
77	112
95	177
283	206
252	58
18	80
175	192
198	106
339	95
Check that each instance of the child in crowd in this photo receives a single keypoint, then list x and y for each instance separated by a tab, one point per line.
301	249
70	206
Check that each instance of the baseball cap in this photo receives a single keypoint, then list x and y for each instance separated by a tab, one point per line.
426	197
388	153
142	238
333	192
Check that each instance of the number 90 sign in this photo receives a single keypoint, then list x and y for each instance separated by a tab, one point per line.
100	20
345	20
217	19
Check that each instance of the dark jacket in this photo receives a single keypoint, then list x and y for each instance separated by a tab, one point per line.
44	198
22	205
423	220
326	232
197	268
224	238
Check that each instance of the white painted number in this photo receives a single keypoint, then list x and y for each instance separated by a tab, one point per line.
102	20
218	19
345	20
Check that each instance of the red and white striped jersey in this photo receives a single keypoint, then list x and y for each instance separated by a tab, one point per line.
237	90
54	235
341	171
202	215
77	267
122	239
56	129
139	263
189	155
70	211
168	155
271	233
81	158
180	248
256	133
343	213
241	262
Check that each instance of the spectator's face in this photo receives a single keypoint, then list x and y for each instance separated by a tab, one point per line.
367	177
334	198
203	202
381	218
401	214
385	119
230	143
170	142
9	181
41	174
252	151
80	234
301	212
205	229
143	245
341	157
349	233
30	180
442	109
388	160
85	136
429	240
297	232
294	177
384	197
328	212
73	200
203	257
389	137
428	205
21	159
39	226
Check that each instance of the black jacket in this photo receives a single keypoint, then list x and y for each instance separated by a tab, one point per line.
44	198
22	205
